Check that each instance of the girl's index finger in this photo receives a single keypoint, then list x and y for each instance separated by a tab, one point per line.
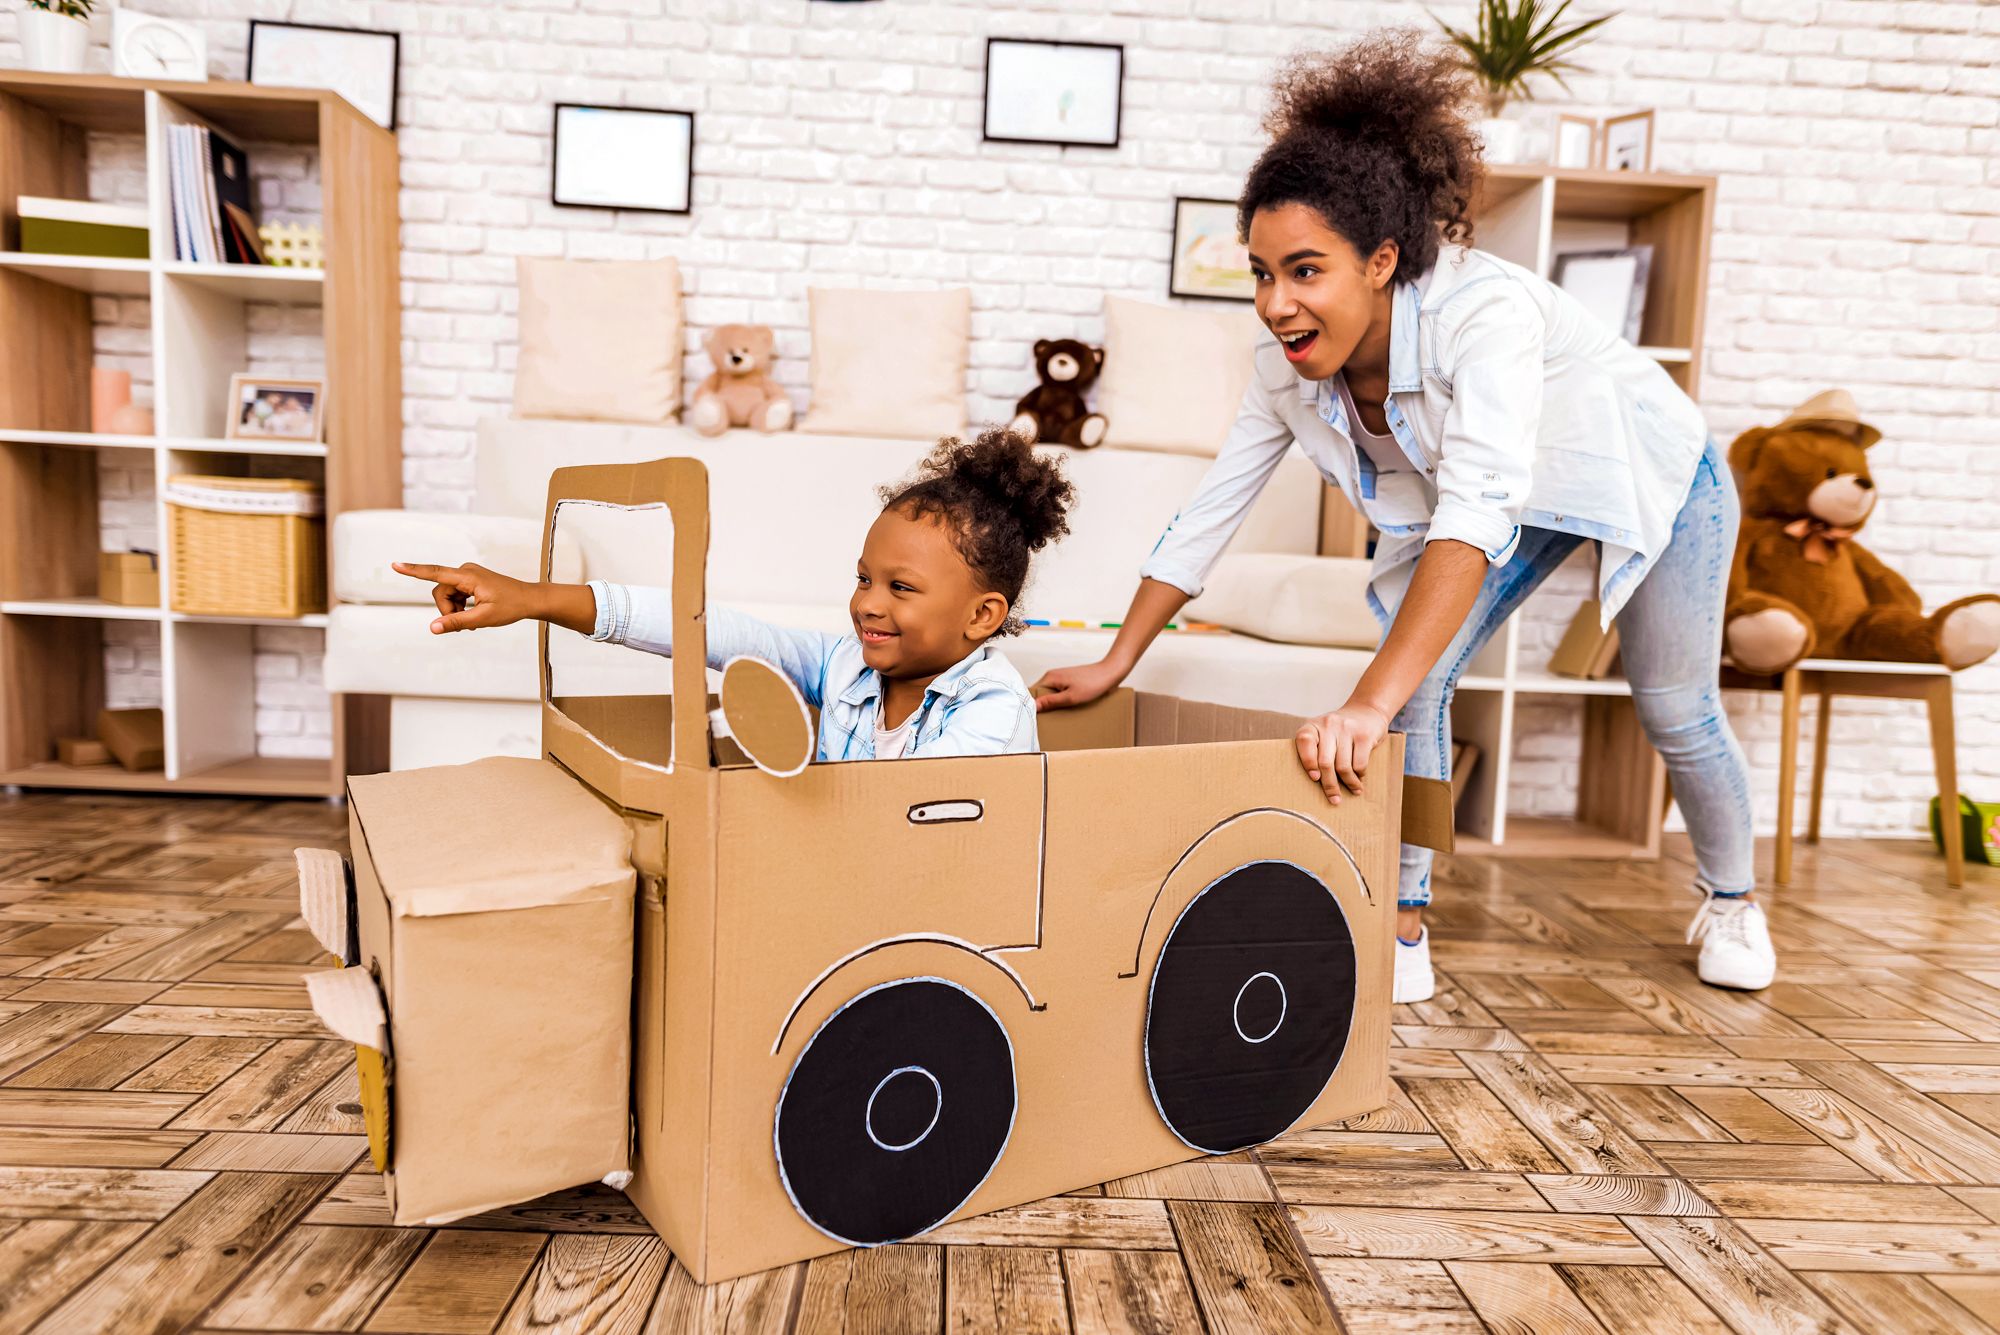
452	575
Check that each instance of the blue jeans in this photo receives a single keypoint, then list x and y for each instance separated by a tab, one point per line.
1670	637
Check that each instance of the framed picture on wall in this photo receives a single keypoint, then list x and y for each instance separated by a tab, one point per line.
623	158
1628	143
358	64
1054	92
1611	284
1576	141
276	408
1209	261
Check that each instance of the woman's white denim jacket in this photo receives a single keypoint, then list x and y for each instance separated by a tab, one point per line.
977	707
1512	404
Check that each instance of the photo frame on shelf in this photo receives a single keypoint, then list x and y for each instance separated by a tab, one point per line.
1611	285
279	408
636	158
1626	143
360	64
1209	261
1048	92
1576	141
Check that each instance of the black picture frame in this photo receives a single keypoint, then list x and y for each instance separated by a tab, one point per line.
555	159
1173	257
395	56
986	133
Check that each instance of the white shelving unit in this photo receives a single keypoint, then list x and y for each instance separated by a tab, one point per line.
51	625
1531	215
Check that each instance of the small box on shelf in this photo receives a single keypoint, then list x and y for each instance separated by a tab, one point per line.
80	752
137	737
77	227
130	579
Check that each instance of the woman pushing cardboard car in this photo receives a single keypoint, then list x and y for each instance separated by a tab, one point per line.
1487	426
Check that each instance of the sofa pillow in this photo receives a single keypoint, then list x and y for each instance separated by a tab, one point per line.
1290	598
1174	375
600	340
889	363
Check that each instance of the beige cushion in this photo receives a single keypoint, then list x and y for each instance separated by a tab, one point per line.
1290	599
600	340
1174	375
889	363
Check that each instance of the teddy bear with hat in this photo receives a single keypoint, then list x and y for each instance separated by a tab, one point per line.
1801	586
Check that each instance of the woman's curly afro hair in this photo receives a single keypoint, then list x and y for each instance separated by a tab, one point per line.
1001	501
1374	138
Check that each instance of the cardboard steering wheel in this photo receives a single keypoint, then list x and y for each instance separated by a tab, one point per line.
765	714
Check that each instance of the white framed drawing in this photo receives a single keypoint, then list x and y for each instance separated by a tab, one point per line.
623	158
358	64
1628	143
1053	92
1209	261
1611	285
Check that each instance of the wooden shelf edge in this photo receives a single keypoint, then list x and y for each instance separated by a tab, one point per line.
1546	837
252	777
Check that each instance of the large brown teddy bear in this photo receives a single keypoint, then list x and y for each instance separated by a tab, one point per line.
1054	411
740	391
1801	586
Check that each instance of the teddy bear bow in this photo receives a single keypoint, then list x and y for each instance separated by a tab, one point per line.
1818	536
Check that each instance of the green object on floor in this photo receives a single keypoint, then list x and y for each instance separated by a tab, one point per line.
1981	824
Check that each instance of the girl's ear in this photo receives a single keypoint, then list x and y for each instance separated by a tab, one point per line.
989	614
1382	264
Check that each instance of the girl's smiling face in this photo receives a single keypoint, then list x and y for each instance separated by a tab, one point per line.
917	606
1315	291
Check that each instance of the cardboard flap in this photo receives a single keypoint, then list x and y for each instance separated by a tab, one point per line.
349	1003
765	714
1428	817
513	834
326	901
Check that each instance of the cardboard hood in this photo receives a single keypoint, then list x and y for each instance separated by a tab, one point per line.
487	848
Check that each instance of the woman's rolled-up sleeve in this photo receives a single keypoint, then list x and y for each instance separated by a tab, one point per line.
1493	358
1194	541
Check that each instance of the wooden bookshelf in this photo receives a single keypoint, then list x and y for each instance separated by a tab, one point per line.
1531	214
51	623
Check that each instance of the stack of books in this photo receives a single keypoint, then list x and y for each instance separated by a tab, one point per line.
210	190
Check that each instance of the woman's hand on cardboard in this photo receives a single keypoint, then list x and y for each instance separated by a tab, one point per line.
471	597
1334	748
1068	687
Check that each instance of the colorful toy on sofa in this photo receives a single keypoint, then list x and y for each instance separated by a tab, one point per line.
870	998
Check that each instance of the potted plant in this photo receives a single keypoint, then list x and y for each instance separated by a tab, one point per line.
55	34
1514	40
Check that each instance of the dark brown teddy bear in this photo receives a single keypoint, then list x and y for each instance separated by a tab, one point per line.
1053	412
1800	585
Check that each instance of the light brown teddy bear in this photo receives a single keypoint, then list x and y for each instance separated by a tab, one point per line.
740	391
1800	585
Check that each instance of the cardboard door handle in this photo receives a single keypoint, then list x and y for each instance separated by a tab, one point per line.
946	813
1427	813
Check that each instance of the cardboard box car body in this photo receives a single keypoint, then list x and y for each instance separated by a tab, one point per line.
875	996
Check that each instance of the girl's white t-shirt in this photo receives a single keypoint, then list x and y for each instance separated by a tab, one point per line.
890	743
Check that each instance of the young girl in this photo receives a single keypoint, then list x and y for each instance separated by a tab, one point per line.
1488	426
939	576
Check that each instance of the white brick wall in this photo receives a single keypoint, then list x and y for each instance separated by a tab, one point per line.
1857	231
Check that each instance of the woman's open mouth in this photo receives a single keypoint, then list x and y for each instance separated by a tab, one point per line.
1299	346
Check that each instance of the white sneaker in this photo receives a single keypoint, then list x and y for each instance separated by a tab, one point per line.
1414	979
1735	941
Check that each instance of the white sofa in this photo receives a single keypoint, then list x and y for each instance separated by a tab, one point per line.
788	513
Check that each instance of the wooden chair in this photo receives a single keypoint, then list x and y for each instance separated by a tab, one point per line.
1828	677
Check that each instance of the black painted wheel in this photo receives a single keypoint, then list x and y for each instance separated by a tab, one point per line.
896	1111
1250	1007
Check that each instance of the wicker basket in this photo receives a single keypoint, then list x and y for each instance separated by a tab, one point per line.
246	546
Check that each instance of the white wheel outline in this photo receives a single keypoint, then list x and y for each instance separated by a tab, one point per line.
868	1116
1236	1010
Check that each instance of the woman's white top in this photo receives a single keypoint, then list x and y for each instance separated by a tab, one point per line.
1512	405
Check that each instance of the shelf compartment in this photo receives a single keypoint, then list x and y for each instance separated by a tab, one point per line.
84	273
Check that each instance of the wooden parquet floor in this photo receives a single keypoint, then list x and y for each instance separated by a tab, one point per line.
1582	1137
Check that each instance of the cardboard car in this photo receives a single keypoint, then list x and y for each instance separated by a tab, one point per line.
829	1005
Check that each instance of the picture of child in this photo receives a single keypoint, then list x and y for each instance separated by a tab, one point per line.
284	410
